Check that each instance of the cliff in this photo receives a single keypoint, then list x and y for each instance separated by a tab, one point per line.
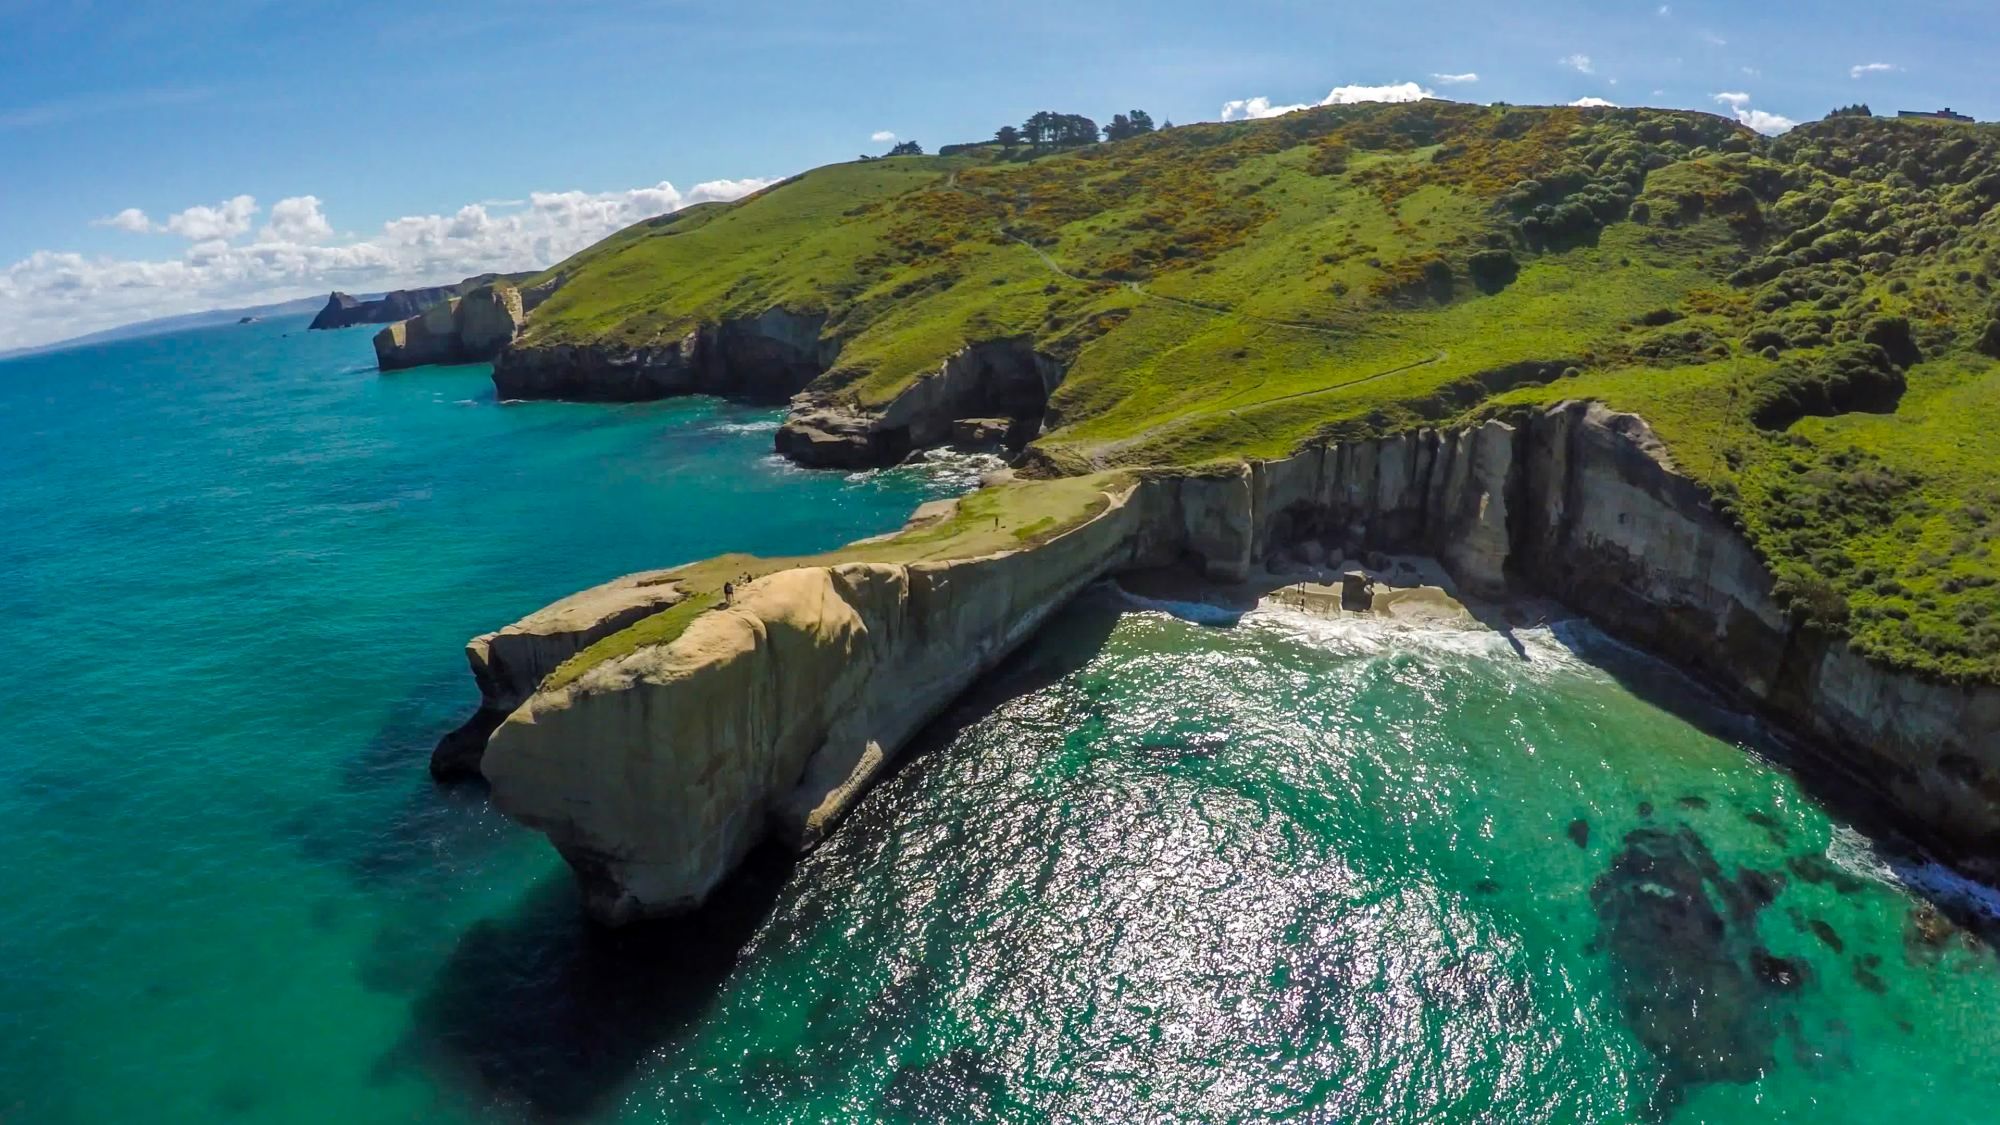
509	664
654	770
344	311
469	329
764	358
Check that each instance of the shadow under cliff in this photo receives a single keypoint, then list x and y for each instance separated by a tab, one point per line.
545	1014
1943	913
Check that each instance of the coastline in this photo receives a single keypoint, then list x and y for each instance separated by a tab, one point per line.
827	666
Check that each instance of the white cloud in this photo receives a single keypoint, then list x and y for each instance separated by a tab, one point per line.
130	219
52	295
1456	79
1244	108
1594	103
880	135
1863	70
1579	63
1769	124
1666	9
1714	40
227	219
297	219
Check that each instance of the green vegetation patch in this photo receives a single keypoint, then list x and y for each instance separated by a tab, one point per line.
1810	322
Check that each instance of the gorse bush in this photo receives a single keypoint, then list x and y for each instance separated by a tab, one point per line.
1842	379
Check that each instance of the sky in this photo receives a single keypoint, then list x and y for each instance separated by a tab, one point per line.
166	158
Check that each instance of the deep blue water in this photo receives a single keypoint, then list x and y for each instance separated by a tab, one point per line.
1292	869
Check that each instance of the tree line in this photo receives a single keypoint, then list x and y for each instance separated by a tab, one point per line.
1048	129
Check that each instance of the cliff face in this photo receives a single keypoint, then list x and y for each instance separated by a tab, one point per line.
1004	384
766	358
343	311
655	773
469	329
1002	379
509	664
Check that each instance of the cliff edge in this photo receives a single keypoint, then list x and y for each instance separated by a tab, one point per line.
655	758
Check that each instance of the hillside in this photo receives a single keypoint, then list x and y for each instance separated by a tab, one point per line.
1805	321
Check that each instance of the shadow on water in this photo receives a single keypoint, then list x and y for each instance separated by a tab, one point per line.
1849	799
549	1014
546	1013
386	824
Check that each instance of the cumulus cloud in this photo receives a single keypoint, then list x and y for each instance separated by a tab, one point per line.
297	219
51	295
130	219
1863	70
1246	108
1769	124
1456	79
1579	63
227	219
881	136
1594	103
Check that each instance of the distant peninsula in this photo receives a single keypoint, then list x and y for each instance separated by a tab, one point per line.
344	310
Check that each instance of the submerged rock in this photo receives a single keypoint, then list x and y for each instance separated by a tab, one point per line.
1692	981
1579	832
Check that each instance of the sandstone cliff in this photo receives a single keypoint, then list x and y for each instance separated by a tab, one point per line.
509	664
469	329
1003	379
344	311
766	358
1004	384
654	773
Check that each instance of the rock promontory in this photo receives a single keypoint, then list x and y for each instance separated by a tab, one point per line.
658	754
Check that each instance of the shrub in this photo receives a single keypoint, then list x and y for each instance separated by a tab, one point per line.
1847	378
1493	270
1892	335
1989	340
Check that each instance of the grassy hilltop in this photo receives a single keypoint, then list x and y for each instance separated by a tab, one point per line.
1807	321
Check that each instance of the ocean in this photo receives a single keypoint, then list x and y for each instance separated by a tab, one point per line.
1167	864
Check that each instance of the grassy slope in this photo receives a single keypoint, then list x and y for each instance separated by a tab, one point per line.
1228	290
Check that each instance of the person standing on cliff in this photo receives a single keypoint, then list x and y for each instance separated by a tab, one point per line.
728	592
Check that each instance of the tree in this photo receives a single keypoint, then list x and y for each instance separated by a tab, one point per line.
1075	129
1059	129
907	148
1007	135
1134	124
1858	110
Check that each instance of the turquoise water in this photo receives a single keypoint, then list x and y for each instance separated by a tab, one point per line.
1284	868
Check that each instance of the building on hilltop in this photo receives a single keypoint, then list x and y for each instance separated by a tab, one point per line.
1945	114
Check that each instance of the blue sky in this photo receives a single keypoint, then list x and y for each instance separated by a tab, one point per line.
393	118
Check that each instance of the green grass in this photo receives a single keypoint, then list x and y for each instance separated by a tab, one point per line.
1229	290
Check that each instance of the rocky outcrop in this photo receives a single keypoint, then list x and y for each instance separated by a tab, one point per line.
469	329
765	358
1003	380
344	311
509	664
654	773
994	393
